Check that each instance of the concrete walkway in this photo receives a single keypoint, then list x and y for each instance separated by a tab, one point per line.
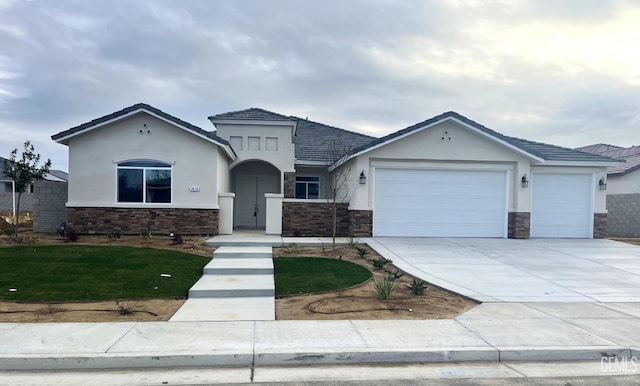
496	332
258	238
237	284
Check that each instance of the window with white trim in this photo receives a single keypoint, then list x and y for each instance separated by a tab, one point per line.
307	187
144	181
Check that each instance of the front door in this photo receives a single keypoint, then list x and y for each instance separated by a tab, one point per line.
250	211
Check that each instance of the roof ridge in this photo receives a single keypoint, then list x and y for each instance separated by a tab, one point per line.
247	110
332	127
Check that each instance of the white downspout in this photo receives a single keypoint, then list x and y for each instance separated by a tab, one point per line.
13	192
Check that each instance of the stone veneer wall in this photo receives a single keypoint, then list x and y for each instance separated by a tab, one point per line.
624	215
90	220
313	218
519	225
49	209
289	185
599	225
360	223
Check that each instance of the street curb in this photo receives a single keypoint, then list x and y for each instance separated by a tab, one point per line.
292	357
123	361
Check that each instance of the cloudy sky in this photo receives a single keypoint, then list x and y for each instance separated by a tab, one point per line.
564	72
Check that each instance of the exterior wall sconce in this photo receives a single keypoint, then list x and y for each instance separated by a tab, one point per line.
602	184
524	181
363	178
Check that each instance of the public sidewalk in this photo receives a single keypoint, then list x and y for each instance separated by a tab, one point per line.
497	332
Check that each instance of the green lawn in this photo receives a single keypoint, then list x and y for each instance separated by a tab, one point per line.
80	272
295	275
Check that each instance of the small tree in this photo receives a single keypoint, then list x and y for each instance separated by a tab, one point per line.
339	180
24	171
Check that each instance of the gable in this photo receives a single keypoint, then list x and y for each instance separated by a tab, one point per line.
65	136
447	141
536	152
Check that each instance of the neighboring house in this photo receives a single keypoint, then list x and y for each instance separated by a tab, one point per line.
143	169
44	199
623	188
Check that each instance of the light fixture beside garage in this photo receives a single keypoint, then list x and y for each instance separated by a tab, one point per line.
602	184
524	181
363	178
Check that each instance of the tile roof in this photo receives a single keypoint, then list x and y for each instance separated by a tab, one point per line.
131	109
318	142
541	150
252	114
629	154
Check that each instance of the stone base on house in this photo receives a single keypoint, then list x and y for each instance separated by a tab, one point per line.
91	220
360	223
313	218
599	225
289	185
519	225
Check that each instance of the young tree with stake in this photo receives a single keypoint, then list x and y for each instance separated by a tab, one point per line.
23	171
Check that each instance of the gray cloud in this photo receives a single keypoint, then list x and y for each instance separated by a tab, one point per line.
366	66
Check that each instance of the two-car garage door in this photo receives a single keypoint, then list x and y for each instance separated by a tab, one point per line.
473	203
440	203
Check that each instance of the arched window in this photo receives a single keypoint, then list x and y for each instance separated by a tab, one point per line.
145	181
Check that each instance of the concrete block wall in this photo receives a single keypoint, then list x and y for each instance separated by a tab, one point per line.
623	219
26	202
49	211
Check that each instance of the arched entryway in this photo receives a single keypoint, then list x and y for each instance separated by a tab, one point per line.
250	181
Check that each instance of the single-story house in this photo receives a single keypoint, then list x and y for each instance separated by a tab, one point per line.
623	188
142	169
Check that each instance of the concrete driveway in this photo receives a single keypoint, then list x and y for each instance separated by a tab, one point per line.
534	270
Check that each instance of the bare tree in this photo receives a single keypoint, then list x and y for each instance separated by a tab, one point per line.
339	177
24	171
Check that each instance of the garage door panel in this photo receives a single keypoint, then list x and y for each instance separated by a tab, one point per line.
439	203
561	205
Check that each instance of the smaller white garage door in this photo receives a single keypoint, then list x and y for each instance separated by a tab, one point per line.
562	205
439	203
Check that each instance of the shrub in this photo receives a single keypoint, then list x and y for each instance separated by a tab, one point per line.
114	234
146	234
362	252
380	262
393	275
176	238
71	235
293	248
353	243
384	288
417	287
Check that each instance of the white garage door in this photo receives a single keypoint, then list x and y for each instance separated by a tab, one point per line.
561	205
440	203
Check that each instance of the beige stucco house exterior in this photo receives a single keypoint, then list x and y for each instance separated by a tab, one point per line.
142	169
